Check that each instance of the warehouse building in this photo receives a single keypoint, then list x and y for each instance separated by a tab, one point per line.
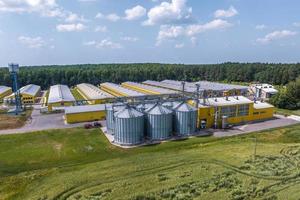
223	111
119	91
93	94
149	90
263	91
176	87
4	91
86	113
214	88
30	94
60	96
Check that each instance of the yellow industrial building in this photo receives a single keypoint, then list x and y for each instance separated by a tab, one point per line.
59	97
119	91
86	113
232	110
5	91
147	89
92	94
30	94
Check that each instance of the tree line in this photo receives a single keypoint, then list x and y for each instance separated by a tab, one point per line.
288	97
45	76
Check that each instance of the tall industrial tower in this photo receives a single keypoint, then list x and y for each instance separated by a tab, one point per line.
14	70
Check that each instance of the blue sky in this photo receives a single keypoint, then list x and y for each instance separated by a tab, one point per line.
35	32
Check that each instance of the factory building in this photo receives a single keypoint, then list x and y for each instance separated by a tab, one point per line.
119	91
30	94
213	88
86	113
263	91
223	111
92	94
175	87
149	90
4	91
59	97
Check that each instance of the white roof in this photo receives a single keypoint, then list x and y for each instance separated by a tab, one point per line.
30	89
92	92
270	90
122	90
222	101
207	85
261	105
85	108
171	86
4	89
151	88
60	93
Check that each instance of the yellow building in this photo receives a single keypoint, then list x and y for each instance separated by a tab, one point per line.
86	113
59	97
119	91
232	110
4	91
92	94
149	90
29	95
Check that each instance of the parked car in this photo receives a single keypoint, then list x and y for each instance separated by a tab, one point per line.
88	126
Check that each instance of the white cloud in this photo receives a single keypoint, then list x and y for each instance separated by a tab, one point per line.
70	27
101	29
296	24
32	42
73	17
216	24
99	16
135	13
169	32
86	1
175	12
226	13
130	39
260	27
111	17
172	32
276	35
104	44
179	46
26	5
89	43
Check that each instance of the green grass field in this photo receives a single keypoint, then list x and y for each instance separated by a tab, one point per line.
78	164
287	112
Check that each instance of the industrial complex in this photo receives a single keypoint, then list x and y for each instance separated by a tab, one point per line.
151	110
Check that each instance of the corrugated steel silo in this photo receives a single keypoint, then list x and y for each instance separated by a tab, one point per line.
185	119
129	126
159	122
110	112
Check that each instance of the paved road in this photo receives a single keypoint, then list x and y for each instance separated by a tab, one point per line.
42	122
279	121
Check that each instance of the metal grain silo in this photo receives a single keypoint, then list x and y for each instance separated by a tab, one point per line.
110	111
129	126
159	122
168	105
185	119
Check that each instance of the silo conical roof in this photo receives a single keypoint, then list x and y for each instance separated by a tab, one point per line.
158	110
129	113
184	107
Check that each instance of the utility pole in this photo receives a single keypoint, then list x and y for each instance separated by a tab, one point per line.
255	146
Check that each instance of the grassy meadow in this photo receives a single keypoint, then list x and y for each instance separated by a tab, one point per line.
79	164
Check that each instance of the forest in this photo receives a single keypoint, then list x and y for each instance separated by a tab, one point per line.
45	76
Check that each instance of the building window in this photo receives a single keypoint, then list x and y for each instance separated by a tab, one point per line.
243	110
229	111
